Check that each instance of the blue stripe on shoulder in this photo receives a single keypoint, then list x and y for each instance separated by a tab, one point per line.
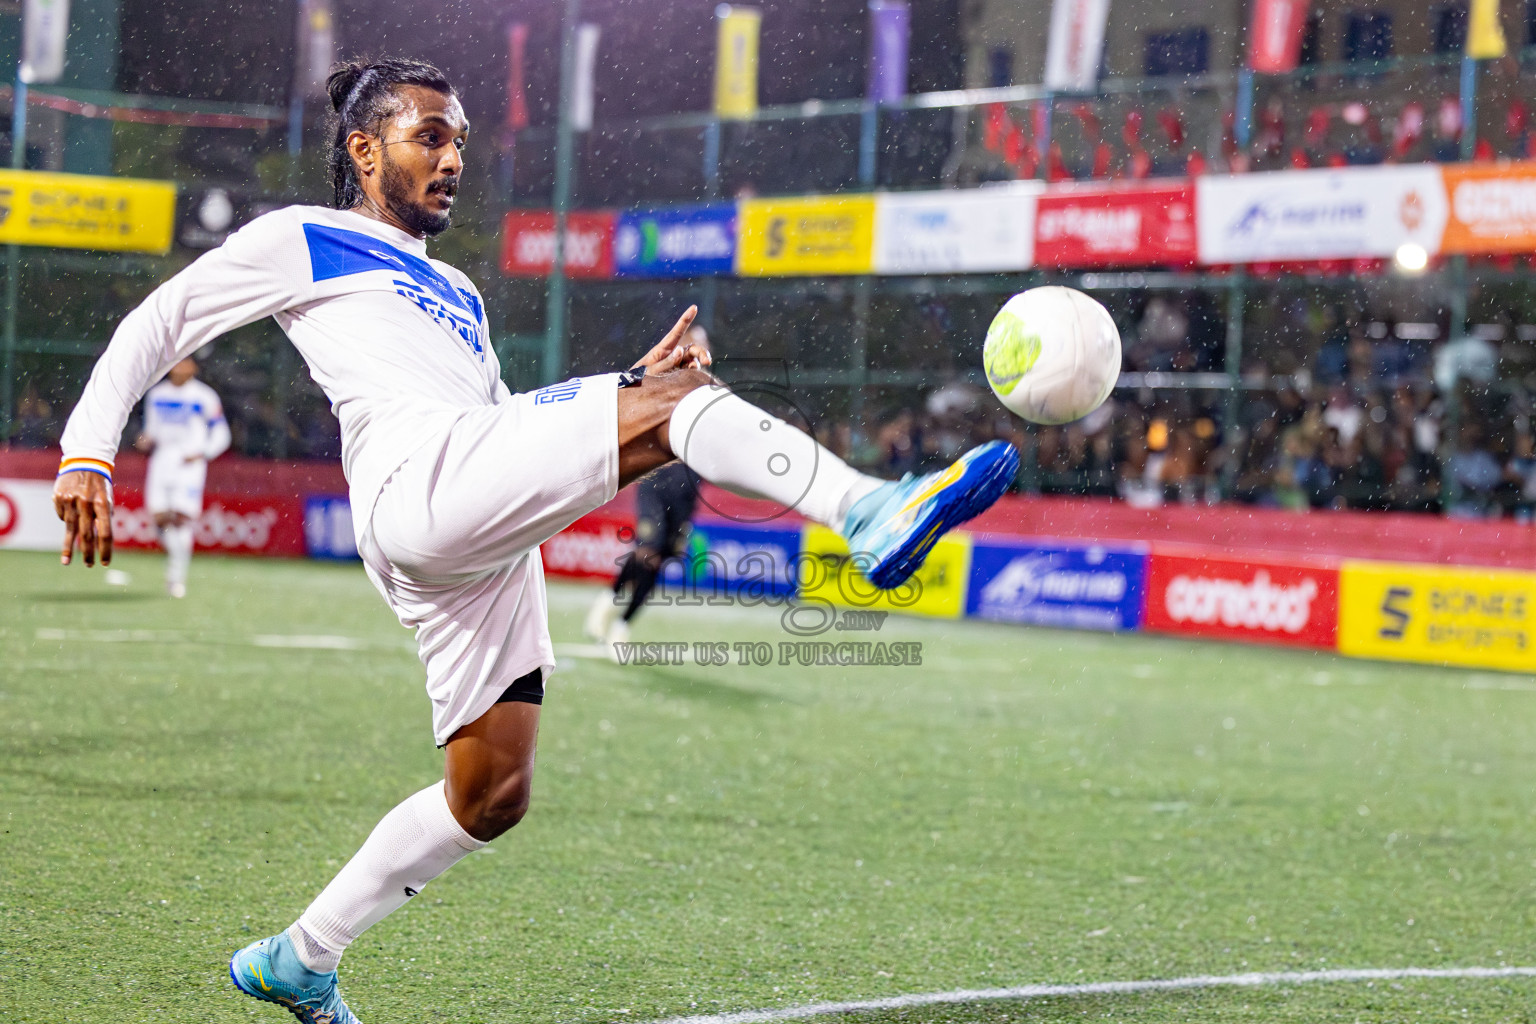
337	252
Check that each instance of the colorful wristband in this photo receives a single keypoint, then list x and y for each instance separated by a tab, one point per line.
97	466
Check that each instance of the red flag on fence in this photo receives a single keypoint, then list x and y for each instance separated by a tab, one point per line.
517	93
1276	34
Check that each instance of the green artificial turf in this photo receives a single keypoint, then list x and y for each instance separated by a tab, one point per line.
1028	806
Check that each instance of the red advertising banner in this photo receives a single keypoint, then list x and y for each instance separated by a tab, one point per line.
1257	600
591	548
245	524
528	243
1109	226
1275	36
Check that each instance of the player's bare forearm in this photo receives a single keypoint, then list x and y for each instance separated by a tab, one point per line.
84	501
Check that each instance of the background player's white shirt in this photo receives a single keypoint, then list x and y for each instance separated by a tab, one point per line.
183	420
397	341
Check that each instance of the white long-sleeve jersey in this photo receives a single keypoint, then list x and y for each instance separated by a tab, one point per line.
397	341
185	419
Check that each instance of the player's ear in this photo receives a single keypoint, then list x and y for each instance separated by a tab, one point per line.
363	148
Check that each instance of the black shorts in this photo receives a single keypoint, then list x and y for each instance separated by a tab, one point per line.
528	689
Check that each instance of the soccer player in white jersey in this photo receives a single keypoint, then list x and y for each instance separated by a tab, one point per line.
455	481
184	430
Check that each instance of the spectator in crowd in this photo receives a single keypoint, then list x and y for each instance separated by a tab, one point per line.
1475	472
1520	475
35	425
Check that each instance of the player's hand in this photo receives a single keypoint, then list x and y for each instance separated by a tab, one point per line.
673	352
698	356
84	501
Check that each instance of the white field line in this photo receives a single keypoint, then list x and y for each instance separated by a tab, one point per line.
112	636
597	652
305	642
1199	981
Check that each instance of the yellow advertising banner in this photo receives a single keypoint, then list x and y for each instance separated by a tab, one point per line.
936	589
802	237
75	211
736	60
1442	615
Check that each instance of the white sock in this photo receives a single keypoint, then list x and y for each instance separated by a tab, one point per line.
735	445
413	844
177	541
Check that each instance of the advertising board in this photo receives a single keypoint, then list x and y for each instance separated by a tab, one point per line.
27	519
727	558
1483	618
936	589
975	231
686	241
1046	583
1257	599
812	235
246	524
1127	226
591	548
1319	214
78	211
528	243
1493	207
328	527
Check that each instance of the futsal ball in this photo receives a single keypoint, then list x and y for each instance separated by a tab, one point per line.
1052	354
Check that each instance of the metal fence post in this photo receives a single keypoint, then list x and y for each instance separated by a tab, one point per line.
869	141
710	287
1233	410
565	142
12	272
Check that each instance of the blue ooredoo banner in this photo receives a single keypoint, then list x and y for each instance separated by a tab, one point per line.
684	241
740	560
1058	584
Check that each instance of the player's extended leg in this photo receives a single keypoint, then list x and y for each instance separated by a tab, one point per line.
488	773
890	525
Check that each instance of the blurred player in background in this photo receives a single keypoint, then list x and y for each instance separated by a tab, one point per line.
184	428
664	504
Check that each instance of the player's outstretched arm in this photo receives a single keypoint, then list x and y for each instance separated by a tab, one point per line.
235	284
83	499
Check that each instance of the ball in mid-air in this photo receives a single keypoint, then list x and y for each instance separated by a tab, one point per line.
1052	354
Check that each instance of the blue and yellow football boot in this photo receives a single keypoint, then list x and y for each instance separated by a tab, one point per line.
890	530
272	971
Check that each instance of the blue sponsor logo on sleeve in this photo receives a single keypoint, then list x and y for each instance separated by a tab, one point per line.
562	392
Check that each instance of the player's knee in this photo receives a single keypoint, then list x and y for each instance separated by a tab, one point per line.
502	808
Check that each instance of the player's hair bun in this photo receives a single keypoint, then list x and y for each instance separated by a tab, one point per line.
342	80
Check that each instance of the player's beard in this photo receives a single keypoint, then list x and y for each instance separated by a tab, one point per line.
395	186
